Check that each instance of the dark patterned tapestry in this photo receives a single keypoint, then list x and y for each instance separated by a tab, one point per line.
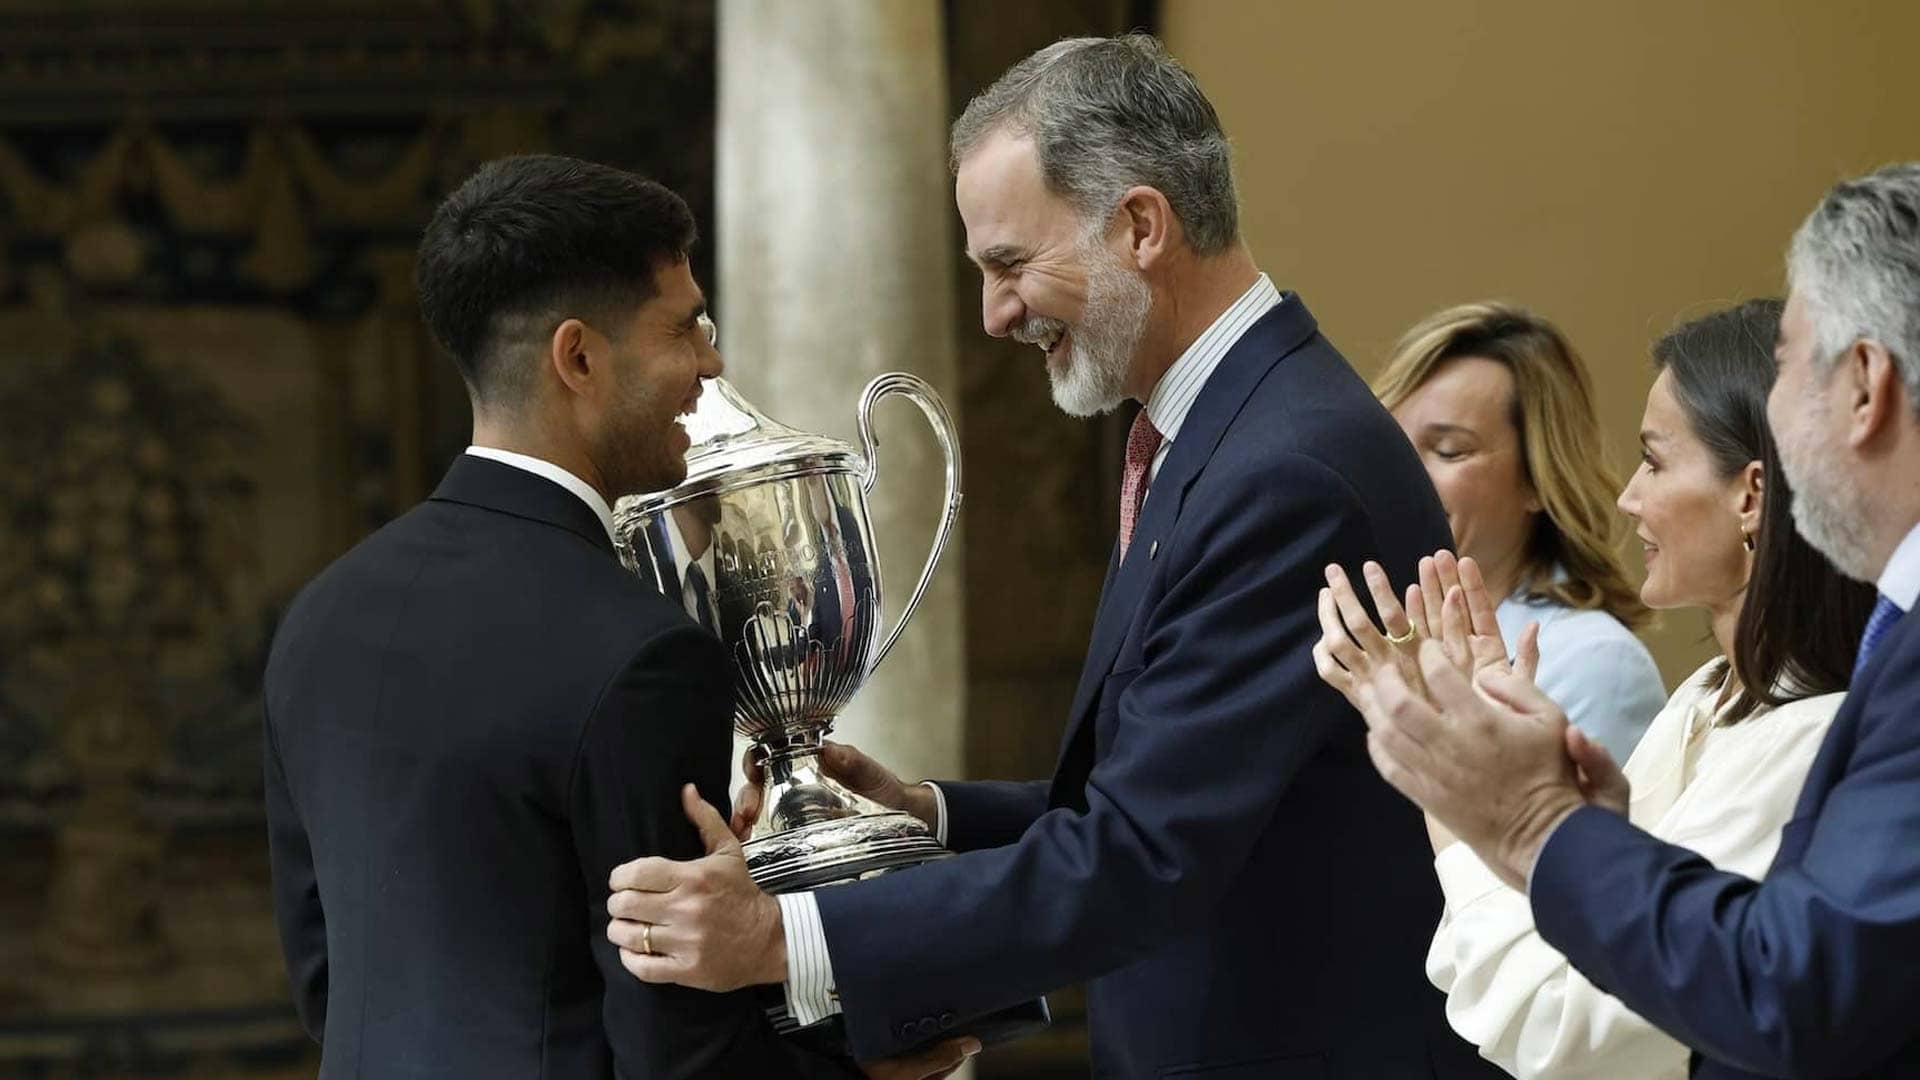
213	379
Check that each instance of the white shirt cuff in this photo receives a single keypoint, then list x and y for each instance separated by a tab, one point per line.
811	997
939	812
1464	879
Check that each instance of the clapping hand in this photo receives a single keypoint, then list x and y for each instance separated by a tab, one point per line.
1469	623
1486	755
1352	647
1601	781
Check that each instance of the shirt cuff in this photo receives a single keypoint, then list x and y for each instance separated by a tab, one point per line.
1463	877
811	996
939	812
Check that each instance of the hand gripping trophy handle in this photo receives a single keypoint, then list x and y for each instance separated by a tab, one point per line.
916	390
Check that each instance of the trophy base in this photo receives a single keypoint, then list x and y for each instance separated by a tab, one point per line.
843	849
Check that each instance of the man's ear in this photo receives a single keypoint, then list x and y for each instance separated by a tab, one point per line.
1152	226
1876	394
571	353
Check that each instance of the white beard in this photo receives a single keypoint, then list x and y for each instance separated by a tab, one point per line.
1828	508
1093	377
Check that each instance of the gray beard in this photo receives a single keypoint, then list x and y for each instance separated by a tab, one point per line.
1094	379
1828	510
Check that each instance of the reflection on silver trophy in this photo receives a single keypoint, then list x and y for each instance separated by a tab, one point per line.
768	546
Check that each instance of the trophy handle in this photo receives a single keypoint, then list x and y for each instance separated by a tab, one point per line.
916	390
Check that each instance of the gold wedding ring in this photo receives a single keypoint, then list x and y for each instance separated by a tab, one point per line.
1403	638
646	939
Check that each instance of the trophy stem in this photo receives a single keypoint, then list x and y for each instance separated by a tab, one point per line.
797	791
815	830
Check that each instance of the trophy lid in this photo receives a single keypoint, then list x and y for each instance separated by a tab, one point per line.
733	441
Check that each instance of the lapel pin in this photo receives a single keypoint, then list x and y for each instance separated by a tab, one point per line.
1152	550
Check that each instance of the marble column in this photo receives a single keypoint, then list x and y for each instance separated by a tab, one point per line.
836	263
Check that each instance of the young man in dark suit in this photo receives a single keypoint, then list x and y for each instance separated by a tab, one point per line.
476	713
1810	971
1212	854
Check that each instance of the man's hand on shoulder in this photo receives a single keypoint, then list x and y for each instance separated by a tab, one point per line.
701	923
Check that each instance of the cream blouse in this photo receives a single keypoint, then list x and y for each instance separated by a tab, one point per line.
1723	791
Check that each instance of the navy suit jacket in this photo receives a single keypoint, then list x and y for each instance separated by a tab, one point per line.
472	717
1214	851
1812	972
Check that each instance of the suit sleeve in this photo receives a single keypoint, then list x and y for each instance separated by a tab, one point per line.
663	721
1207	738
1518	999
990	813
296	895
1808	973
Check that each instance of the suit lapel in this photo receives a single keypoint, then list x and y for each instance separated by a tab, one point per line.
1837	748
1265	344
1844	732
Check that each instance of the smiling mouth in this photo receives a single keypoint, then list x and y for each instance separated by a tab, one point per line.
1049	341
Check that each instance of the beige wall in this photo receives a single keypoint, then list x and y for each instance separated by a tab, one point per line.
1616	166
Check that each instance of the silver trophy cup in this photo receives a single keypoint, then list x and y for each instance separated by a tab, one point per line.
767	545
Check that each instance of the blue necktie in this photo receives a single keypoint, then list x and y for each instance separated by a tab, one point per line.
1885	614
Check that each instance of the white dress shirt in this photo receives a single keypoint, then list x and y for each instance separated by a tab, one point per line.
1724	792
1592	666
810	994
555	473
1900	581
1173	396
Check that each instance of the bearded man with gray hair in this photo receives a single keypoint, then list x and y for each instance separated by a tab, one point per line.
1212	854
1811	971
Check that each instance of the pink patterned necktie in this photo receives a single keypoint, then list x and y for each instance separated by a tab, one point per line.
1143	440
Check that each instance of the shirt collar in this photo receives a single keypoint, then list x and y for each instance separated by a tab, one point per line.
1900	581
555	473
1173	396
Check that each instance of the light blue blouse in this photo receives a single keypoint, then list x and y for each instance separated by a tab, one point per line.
1593	667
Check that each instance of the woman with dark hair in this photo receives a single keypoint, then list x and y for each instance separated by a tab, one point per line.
1797	622
1721	765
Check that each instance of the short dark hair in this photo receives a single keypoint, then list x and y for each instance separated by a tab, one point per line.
1801	623
530	240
